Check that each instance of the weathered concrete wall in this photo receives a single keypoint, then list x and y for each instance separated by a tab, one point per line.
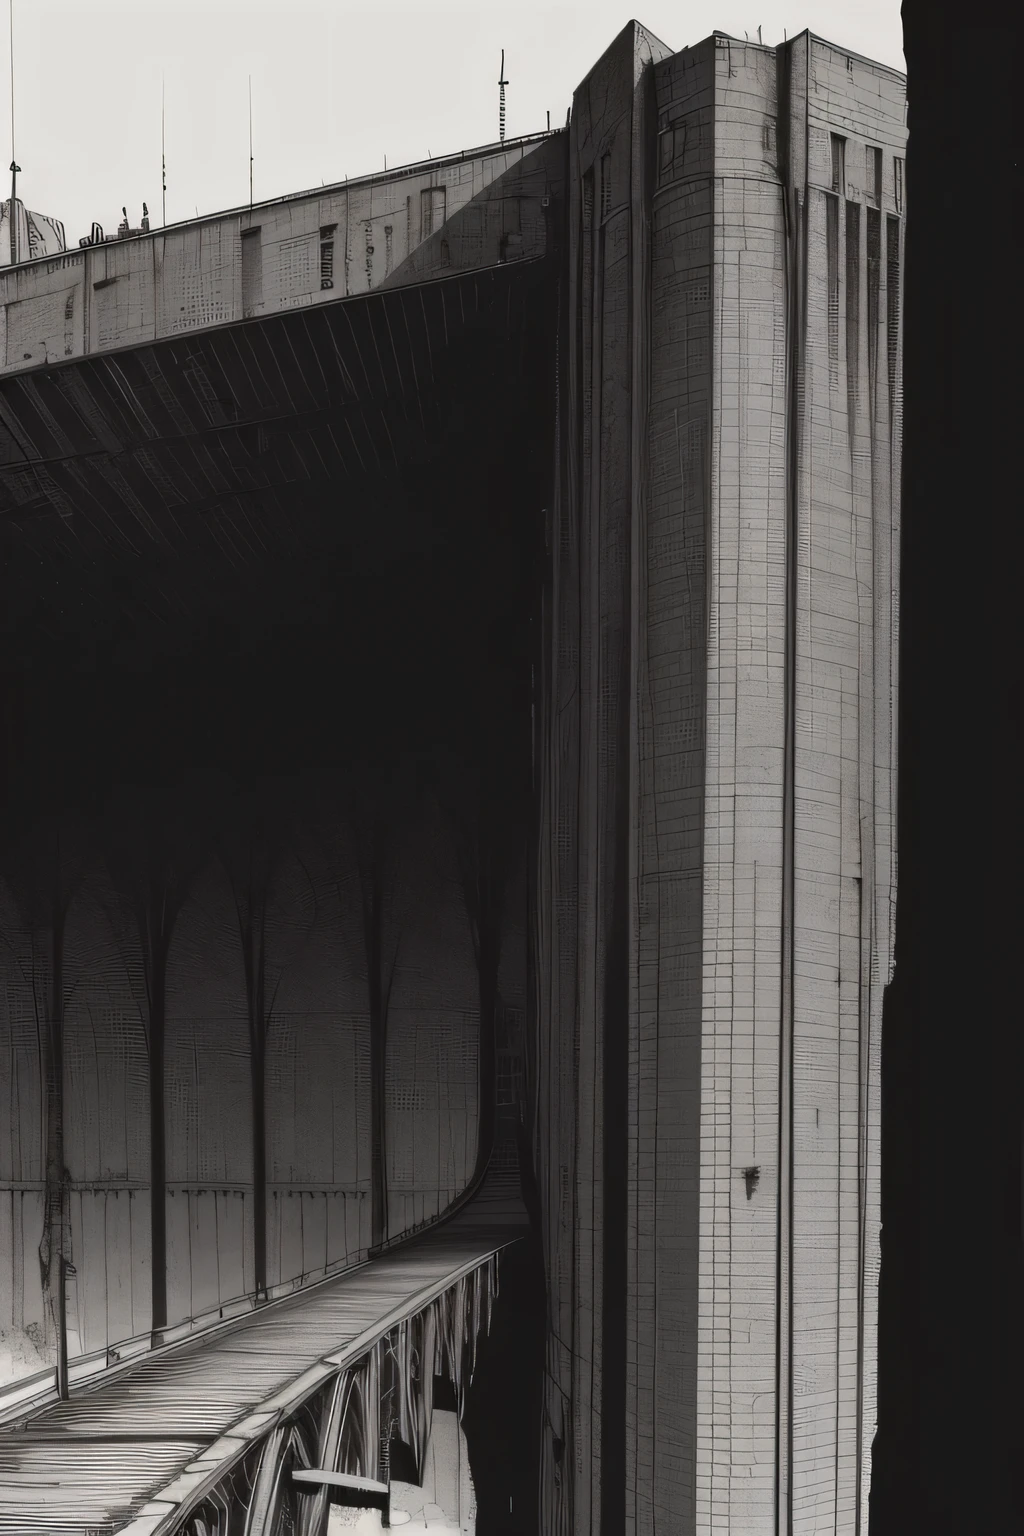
317	1088
744	805
845	537
583	946
376	231
724	543
671	515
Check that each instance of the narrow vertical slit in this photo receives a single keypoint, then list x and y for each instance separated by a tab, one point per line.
783	1272
852	310
874	290
892	302
252	270
832	269
585	332
327	256
433	210
606	185
587	289
838	163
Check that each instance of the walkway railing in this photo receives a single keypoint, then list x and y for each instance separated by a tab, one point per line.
28	1394
265	1422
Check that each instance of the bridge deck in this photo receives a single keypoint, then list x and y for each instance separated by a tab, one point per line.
128	1449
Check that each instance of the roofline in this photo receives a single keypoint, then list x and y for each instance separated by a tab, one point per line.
430	280
848	53
419	166
885	69
638	26
373	178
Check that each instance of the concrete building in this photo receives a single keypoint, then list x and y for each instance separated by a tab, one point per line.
676	328
29	236
714	921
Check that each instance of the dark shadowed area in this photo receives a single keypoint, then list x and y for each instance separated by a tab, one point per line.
946	1454
267	779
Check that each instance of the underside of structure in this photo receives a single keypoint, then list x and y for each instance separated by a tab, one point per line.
267	683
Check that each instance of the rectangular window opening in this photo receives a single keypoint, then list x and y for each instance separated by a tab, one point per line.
326	264
432	210
838	162
588	199
606	185
875	175
897	183
252	269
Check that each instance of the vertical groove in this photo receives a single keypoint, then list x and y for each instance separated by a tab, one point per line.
782	1271
832	276
892	303
795	238
579	504
852	312
865	726
874	287
784	1320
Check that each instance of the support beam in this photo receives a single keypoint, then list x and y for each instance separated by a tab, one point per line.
319	1477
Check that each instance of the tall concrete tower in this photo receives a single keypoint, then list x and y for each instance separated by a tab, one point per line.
717	767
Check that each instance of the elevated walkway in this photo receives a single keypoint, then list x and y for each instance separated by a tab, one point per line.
205	1435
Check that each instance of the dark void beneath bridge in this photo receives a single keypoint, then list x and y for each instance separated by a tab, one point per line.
269	575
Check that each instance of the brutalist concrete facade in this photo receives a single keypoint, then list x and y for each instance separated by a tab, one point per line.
717	787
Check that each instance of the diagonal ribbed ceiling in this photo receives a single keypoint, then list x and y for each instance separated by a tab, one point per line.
268	546
172	478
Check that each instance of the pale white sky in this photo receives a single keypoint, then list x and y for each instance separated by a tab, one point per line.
336	86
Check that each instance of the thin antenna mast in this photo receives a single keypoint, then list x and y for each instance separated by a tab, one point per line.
12	78
502	82
15	167
163	145
250	143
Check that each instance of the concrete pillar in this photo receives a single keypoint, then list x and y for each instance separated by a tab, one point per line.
716	871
